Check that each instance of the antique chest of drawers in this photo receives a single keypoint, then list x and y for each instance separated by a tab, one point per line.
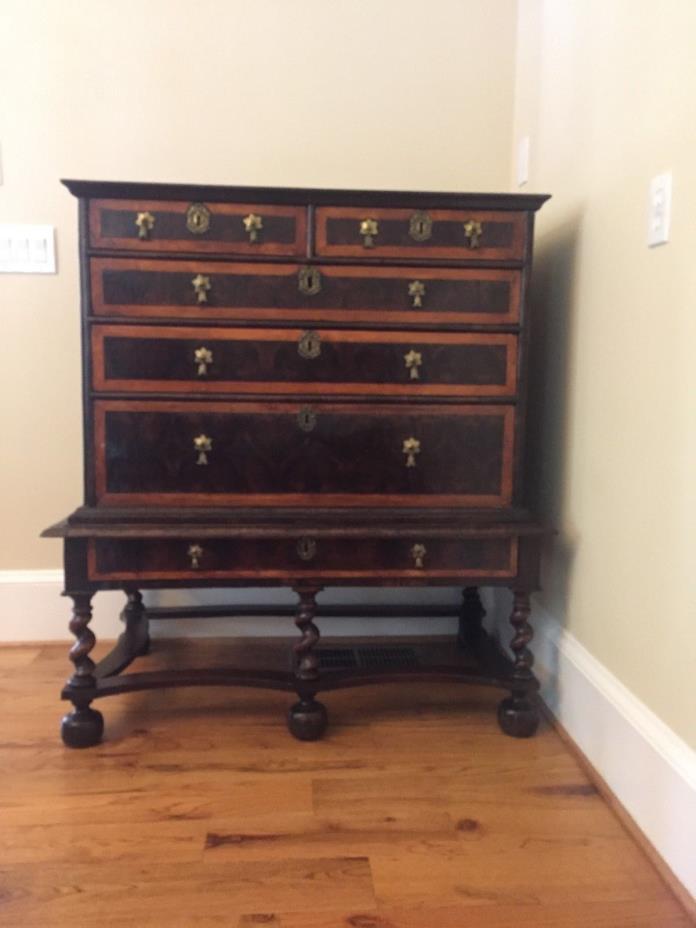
304	388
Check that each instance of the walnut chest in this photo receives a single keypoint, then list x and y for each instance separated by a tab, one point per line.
305	388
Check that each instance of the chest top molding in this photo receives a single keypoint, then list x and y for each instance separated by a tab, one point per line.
299	196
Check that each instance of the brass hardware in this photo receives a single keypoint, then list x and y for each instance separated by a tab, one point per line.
201	285
145	223
306	419
413	361
369	228
418	552
416	290
253	225
197	218
203	357
309	280
309	345
306	548
420	227
202	445
195	553
411	448
473	231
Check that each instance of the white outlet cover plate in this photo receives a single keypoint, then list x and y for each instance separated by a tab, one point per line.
27	249
659	209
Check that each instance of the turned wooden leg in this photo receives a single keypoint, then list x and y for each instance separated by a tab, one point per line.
518	714
135	619
84	726
470	618
307	718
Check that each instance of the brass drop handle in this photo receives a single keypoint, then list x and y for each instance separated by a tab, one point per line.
195	553
203	357
202	446
473	230
369	228
411	448
416	290
145	223
413	361
418	553
201	286
253	225
309	345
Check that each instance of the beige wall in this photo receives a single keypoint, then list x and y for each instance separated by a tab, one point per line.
394	93
606	92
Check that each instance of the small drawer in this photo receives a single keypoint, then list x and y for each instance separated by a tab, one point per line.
160	359
246	453
460	235
223	228
288	559
303	293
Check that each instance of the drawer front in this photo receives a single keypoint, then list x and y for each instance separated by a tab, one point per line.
215	290
288	558
225	228
471	235
206	360
339	454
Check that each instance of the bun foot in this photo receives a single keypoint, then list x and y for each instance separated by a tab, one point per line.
307	720
518	718
82	728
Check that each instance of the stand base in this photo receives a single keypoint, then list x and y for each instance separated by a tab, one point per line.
307	720
518	718
82	728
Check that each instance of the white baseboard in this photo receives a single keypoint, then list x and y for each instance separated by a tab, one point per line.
32	609
650	770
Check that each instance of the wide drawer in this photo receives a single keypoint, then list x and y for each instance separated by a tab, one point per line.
462	235
200	453
299	558
225	228
246	292
207	360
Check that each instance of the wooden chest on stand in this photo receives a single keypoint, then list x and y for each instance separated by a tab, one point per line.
302	388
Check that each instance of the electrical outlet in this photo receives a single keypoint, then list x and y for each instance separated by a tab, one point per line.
523	161
659	209
26	249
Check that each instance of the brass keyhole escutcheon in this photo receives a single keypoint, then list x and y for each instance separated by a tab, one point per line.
473	231
145	223
309	280
306	419
418	553
201	286
252	226
195	553
411	448
203	357
202	446
369	228
306	548
413	360
420	227
416	290
197	218
309	345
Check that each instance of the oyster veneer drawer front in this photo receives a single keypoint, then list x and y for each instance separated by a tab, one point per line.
207	360
303	293
287	558
245	453
460	235
225	228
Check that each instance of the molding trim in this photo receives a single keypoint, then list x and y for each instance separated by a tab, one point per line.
650	770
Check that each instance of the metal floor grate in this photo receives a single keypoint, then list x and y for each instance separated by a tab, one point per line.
368	658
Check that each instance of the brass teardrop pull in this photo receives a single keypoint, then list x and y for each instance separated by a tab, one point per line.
201	286
195	553
411	448
145	223
369	228
413	361
418	553
203	357
253	225
416	290
202	446
473	230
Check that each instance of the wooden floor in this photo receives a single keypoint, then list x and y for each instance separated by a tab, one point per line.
200	810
